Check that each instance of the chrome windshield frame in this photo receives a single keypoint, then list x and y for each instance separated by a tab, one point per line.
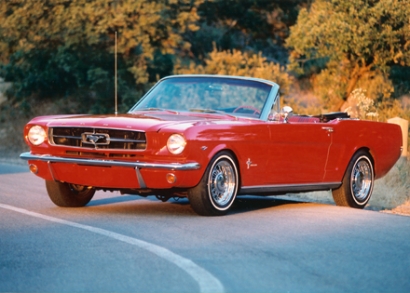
271	99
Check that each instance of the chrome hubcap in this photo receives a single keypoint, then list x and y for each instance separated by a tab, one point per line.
361	180
222	183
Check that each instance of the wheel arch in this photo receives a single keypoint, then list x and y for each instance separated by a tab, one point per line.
371	157
213	196
364	149
357	183
225	148
367	150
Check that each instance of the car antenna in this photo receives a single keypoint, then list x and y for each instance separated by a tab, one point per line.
115	77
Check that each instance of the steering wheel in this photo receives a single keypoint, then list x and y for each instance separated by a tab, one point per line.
255	110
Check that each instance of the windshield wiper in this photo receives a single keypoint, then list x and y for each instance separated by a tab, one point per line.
159	109
212	111
206	110
152	109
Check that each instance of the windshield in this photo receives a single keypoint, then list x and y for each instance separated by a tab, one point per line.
207	94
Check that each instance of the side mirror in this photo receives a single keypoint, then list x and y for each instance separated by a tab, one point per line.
286	112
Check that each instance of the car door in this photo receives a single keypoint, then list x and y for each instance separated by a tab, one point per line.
298	152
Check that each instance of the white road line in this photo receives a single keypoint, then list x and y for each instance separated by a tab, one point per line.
206	281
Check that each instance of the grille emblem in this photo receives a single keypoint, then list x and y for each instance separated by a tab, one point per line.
95	138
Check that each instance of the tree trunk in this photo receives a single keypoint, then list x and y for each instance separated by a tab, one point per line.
357	73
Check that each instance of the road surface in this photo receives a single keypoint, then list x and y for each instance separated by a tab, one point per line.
132	244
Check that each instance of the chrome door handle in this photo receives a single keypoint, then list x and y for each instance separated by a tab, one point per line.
328	129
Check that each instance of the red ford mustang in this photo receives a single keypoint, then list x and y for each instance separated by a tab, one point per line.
210	138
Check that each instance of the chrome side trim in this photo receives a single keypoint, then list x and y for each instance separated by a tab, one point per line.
108	163
286	188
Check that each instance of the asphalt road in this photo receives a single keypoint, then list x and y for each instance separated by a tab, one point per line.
132	244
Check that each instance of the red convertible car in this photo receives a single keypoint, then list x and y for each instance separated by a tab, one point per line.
210	138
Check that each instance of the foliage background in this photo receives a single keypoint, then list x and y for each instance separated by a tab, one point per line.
59	54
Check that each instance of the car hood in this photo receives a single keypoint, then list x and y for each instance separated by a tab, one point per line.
142	121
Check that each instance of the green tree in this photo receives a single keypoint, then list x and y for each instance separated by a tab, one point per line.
62	47
240	64
347	44
245	25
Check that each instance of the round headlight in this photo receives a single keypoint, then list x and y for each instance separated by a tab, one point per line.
176	144
36	135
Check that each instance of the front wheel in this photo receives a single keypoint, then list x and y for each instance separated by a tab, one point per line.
69	195
357	184
217	190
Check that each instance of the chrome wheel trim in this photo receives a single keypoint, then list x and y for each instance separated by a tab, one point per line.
361	180
223	183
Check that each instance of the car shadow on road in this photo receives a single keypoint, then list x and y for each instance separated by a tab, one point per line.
137	205
131	204
254	203
112	200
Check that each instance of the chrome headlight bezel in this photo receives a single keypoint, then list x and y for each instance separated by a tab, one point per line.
176	144
36	135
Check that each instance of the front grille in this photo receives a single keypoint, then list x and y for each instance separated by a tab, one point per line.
98	138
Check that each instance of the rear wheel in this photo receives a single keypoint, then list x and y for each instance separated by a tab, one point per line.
69	195
217	190
357	184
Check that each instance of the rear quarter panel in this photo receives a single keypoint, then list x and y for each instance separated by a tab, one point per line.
382	140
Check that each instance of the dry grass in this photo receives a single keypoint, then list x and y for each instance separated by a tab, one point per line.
13	118
393	190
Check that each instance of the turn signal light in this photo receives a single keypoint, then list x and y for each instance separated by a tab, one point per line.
171	178
33	168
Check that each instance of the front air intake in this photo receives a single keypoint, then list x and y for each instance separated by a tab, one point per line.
98	138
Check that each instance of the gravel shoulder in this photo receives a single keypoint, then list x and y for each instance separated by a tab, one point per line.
403	210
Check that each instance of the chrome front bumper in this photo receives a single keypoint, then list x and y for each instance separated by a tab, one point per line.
137	166
96	162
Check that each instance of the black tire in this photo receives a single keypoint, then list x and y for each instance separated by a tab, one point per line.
69	195
217	190
357	184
